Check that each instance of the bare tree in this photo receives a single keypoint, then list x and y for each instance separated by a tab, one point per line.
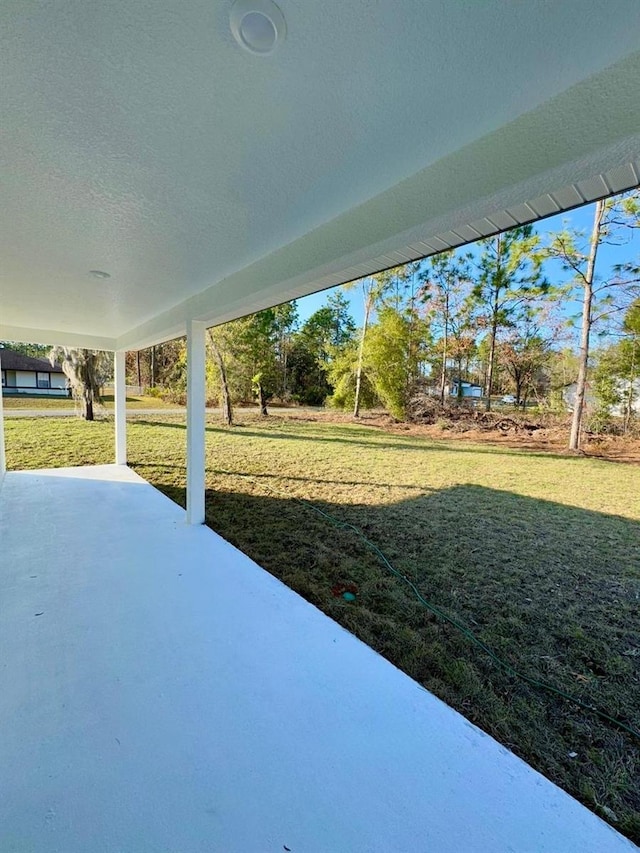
373	288
368	294
227	411
614	220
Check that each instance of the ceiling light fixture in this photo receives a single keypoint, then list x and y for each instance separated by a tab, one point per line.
101	274
257	25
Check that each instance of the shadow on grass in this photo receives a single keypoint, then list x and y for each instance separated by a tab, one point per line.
553	589
147	470
370	436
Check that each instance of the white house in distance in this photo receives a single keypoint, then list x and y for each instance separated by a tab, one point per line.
628	396
624	390
171	166
22	374
468	389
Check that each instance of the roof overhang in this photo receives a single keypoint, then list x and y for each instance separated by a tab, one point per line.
283	229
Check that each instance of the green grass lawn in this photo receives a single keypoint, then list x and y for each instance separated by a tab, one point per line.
538	554
41	402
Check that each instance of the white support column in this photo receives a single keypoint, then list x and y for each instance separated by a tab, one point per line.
120	400
3	460
196	399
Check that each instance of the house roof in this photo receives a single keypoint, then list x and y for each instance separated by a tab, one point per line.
209	182
12	360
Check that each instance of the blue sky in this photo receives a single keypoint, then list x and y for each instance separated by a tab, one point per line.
581	218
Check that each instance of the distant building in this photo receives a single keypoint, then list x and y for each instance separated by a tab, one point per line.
591	401
569	396
623	387
468	389
22	374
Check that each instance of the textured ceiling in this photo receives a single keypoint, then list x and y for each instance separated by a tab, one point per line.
138	138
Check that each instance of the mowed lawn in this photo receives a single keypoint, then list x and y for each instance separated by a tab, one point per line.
538	554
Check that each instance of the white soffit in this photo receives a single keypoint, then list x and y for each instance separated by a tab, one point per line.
141	139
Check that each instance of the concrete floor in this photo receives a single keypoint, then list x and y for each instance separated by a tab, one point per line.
161	692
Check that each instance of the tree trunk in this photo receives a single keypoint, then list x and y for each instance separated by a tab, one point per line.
587	304
153	367
494	323
285	360
262	400
492	355
87	407
445	342
139	372
460	394
356	405
518	380
628	411
227	411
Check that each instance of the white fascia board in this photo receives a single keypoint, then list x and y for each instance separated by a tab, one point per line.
53	337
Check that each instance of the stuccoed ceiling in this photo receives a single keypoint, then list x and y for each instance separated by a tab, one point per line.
140	139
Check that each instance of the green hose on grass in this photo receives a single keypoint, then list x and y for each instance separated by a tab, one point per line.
460	626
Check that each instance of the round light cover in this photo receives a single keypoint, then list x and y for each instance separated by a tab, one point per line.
257	25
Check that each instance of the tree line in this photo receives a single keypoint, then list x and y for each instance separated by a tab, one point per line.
493	314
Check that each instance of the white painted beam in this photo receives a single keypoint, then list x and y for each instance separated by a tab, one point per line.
196	399
120	402
54	337
3	460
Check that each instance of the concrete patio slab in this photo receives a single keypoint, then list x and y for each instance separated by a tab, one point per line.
161	692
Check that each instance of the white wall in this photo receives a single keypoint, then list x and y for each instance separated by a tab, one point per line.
25	378
467	391
26	384
622	387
